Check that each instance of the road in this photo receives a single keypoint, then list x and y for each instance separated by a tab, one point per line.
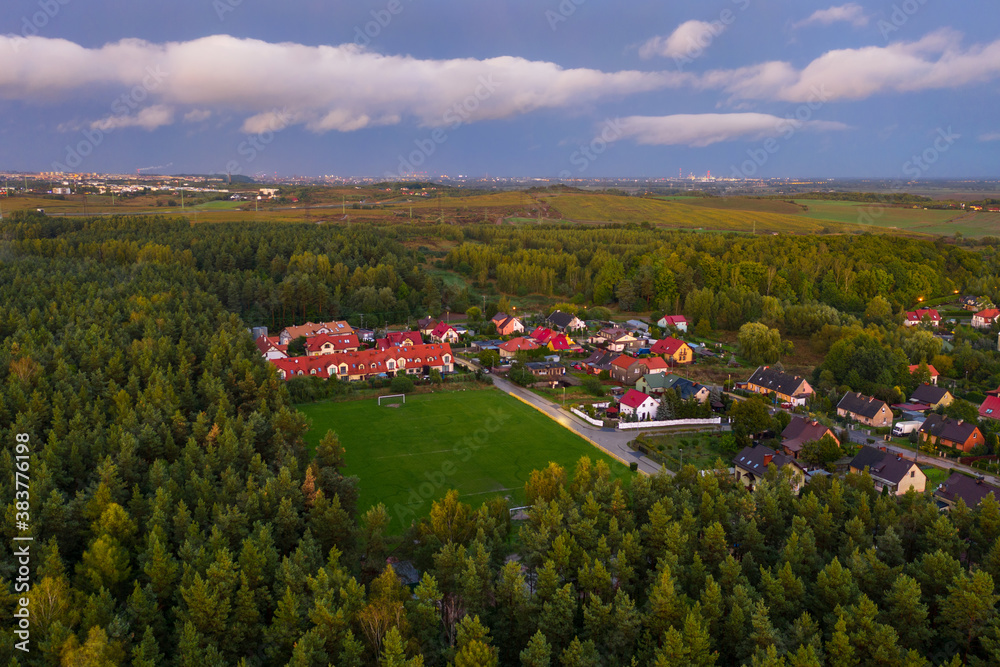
612	441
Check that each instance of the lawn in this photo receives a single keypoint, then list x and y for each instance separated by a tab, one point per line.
699	450
935	476
480	442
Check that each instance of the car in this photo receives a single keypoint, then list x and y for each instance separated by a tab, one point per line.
578	367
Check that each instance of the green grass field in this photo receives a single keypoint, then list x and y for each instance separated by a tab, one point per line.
479	442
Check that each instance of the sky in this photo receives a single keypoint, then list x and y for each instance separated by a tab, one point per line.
904	89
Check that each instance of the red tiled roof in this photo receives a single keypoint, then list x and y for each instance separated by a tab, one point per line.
542	334
919	314
365	362
988	314
674	320
559	342
990	407
624	361
634	398
655	364
441	329
667	346
267	343
518	344
933	371
339	342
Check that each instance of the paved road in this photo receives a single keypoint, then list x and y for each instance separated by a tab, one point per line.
610	440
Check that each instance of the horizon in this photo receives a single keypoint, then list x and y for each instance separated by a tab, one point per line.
565	90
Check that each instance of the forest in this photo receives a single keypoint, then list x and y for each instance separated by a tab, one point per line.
179	519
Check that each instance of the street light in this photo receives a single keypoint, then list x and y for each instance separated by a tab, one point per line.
682	457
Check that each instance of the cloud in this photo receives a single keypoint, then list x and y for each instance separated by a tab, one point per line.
850	13
197	116
937	61
689	37
701	130
990	136
325	88
149	119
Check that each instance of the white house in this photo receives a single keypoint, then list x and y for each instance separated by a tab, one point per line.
677	321
637	403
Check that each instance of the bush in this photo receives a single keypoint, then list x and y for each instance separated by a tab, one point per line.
633	466
592	385
401	384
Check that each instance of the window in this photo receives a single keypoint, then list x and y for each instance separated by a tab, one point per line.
913	473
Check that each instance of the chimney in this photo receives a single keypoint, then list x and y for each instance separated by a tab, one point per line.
767	459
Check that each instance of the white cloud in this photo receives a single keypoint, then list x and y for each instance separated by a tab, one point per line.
990	136
700	130
850	13
937	61
149	118
197	116
691	37
325	88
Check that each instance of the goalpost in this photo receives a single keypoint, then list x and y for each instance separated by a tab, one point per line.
402	396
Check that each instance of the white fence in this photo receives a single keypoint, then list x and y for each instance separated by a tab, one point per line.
585	418
713	421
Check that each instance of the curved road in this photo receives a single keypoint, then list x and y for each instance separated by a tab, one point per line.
612	441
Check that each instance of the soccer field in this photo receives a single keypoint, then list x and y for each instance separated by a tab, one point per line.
479	442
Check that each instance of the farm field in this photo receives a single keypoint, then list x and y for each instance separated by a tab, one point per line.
865	214
677	214
408	456
740	204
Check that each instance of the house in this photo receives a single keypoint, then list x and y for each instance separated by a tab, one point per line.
509	349
656	384
627	370
915	317
972	491
365	364
800	431
365	335
676	321
330	343
932	395
889	471
313	329
752	463
546	370
984	319
948	432
643	406
444	333
617	340
565	321
271	348
561	343
788	388
599	361
542	335
676	350
990	409
865	409
507	325
930	369
399	339
426	325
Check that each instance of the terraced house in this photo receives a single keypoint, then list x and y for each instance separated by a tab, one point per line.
353	366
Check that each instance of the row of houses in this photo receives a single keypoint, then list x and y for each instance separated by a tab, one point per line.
366	364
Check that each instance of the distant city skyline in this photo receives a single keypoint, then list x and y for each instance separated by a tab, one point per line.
556	89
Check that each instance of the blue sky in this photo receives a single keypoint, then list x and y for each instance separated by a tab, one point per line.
578	88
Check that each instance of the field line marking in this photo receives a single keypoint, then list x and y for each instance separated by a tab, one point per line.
396	456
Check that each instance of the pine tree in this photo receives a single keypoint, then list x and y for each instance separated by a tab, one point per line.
537	653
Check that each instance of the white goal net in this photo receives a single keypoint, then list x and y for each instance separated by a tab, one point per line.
392	399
